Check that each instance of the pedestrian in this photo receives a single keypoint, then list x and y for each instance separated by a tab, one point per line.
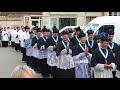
17	39
81	56
42	53
5	38
12	35
75	39
65	67
103	60
52	59
70	34
93	45
29	50
114	49
35	60
23	71
26	36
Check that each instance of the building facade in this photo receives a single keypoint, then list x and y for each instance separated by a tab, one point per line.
60	19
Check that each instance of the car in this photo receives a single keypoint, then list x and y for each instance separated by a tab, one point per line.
70	27
103	24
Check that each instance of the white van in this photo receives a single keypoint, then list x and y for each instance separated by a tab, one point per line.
100	23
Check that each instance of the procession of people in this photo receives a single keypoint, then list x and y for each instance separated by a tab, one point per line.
69	54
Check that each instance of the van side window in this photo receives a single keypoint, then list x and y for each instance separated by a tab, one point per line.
105	29
102	29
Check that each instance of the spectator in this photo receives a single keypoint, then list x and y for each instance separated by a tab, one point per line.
23	71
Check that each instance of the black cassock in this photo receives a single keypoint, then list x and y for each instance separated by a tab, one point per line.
97	57
115	50
98	61
79	56
64	73
42	57
51	42
94	47
76	49
34	60
74	40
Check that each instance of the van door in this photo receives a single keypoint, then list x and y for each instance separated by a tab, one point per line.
103	29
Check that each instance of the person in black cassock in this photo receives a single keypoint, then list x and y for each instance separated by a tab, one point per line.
52	58
81	53
114	48
29	50
90	41
70	34
42	53
75	39
92	44
103	60
65	67
34	57
49	33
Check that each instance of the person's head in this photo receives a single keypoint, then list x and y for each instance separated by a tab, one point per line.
23	71
104	42
27	29
49	32
65	35
111	34
90	34
44	30
22	27
18	28
55	32
31	34
39	32
70	33
5	28
8	27
78	30
82	37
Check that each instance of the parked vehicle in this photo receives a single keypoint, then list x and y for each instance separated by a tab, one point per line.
103	24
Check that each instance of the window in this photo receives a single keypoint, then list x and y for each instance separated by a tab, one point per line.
34	17
104	28
63	22
90	27
53	22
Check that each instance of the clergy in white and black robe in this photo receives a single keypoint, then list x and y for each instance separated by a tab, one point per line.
12	35
5	38
17	39
34	57
81	56
25	37
93	45
75	39
52	58
42	53
29	50
65	67
103	60
114	48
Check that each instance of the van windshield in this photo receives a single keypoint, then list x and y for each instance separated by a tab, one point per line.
90	27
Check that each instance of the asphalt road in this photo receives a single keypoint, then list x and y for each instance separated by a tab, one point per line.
9	59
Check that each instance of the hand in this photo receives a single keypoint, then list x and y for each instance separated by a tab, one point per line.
67	48
86	51
106	66
54	47
110	66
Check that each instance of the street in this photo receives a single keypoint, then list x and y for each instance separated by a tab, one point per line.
9	59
